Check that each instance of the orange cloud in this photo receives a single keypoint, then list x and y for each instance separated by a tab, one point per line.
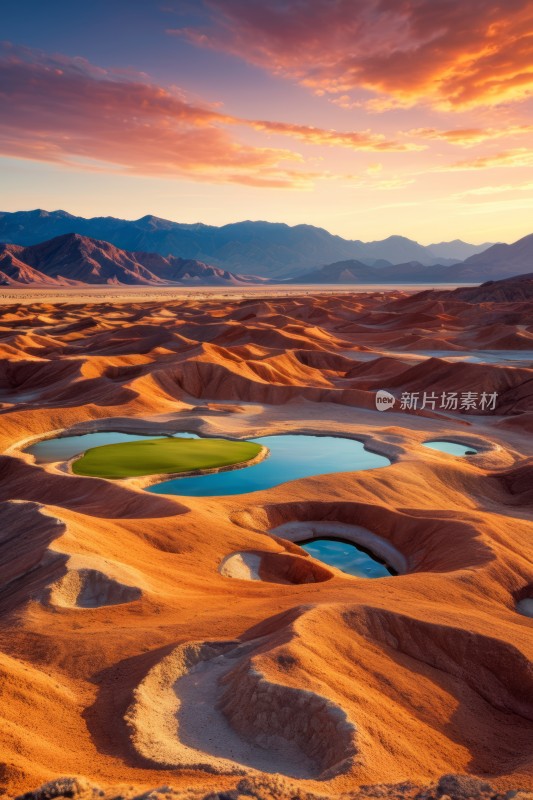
356	140
68	111
446	53
518	157
490	191
469	137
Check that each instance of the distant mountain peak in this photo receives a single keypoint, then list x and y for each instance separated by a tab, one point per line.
152	219
396	237
41	212
273	250
74	259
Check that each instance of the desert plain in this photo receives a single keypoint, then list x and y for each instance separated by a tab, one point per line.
155	640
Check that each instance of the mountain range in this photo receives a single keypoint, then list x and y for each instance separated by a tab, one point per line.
499	261
272	250
73	260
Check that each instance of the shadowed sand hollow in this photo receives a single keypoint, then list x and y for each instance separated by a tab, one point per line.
273	567
525	606
85	586
408	543
208	706
500	673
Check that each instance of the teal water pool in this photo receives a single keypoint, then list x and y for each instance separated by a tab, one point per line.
67	447
451	448
347	557
523	358
292	456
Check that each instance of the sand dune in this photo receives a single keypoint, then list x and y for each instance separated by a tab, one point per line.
209	706
155	640
92	583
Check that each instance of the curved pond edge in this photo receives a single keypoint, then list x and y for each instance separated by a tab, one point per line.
305	531
474	449
20	448
146	428
361	548
288	464
140	427
144	481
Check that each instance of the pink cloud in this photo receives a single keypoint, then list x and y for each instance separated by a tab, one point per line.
69	111
356	140
443	52
517	157
63	109
470	137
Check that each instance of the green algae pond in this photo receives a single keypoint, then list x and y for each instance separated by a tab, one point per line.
162	456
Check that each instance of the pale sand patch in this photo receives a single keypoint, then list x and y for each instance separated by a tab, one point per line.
188	709
244	566
92	582
166	294
203	727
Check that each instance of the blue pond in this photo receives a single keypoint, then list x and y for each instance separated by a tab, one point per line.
70	446
481	356
502	357
452	448
291	456
347	557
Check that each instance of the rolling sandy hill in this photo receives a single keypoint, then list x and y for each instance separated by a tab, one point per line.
517	290
504	291
156	640
72	259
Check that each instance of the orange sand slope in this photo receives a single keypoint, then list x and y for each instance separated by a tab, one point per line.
151	640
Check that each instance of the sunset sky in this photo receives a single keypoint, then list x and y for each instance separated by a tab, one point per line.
366	117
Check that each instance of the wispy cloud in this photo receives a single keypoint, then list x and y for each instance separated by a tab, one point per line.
470	137
491	191
355	140
517	157
445	53
69	111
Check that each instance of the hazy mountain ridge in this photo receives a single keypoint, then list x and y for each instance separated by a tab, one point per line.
353	271
73	259
272	250
498	262
457	249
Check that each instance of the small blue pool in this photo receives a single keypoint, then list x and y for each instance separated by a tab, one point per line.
347	557
452	448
